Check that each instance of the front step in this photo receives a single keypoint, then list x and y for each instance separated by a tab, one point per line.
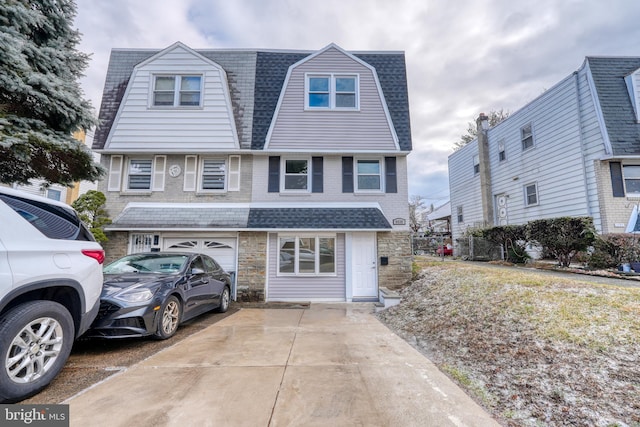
387	298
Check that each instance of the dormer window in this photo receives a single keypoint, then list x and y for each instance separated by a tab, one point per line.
177	91
332	91
633	86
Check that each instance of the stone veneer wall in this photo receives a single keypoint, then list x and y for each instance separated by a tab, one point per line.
396	246
614	211
252	266
117	245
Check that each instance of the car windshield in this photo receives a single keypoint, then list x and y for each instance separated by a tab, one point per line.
148	263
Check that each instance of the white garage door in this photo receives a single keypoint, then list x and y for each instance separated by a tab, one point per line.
222	249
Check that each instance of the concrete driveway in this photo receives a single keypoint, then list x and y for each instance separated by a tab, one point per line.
327	365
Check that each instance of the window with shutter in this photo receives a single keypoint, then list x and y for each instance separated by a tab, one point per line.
139	174
213	175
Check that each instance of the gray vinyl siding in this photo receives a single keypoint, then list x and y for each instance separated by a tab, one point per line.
394	205
366	129
306	288
141	127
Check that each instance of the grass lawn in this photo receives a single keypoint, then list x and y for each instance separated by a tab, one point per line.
533	349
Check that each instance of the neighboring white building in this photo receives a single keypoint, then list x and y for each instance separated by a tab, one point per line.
573	151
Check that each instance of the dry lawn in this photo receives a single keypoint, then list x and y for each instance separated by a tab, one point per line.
533	350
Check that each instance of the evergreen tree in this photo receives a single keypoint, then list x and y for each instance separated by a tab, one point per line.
41	102
90	207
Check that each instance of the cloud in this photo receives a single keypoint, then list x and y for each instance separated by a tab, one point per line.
463	57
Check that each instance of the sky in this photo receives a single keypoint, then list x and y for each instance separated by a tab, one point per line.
463	57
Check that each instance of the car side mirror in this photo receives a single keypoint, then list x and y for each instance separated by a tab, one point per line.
195	271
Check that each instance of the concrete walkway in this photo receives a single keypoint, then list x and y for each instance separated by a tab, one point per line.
328	365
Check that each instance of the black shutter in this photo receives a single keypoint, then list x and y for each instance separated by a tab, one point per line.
617	183
391	181
316	175
274	174
347	174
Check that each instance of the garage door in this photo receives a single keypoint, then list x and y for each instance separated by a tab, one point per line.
222	249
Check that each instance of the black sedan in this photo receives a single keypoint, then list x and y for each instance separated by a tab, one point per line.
152	293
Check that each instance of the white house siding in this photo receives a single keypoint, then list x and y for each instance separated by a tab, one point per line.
138	126
297	129
306	288
464	187
556	163
394	205
594	149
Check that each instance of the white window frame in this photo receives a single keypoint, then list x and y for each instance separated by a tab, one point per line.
283	175
356	175
476	164
527	139
53	192
201	163
177	90
460	214
296	270
526	194
332	91
626	176
502	153
140	242
127	174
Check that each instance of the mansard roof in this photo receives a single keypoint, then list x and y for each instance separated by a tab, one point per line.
622	127
255	79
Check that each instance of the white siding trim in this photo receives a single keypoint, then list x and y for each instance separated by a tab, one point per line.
159	166
596	101
115	173
190	173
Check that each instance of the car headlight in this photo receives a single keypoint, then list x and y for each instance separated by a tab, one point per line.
135	295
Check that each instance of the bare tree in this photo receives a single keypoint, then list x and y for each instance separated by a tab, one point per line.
416	208
495	117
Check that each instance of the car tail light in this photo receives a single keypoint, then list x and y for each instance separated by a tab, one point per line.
97	254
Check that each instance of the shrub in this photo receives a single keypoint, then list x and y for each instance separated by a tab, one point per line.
611	250
563	237
511	237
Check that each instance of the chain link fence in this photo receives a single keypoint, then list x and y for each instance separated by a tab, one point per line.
478	249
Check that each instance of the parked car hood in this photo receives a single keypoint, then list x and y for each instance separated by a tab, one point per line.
117	282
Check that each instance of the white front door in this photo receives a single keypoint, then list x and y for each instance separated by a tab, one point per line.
364	265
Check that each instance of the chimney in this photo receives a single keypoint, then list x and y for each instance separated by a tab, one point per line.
482	126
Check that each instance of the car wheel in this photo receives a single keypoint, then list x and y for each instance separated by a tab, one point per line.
170	318
36	338
224	300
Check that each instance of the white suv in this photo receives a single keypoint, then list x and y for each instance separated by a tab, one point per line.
50	284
